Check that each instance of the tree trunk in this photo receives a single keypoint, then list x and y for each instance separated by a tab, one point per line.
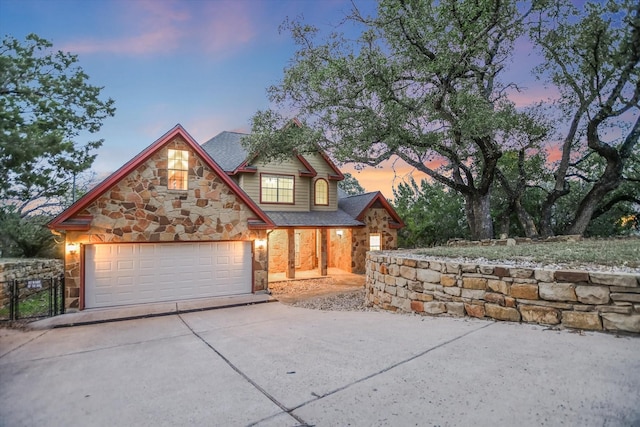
504	222
609	181
525	220
478	208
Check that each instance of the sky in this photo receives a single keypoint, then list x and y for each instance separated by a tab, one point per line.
205	64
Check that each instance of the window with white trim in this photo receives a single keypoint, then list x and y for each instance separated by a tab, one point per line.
276	189
321	191
375	242
178	169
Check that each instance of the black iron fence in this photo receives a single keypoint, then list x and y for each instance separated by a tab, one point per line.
31	299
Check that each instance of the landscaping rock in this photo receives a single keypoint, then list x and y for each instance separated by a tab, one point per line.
543	315
621	322
428	276
571	276
502	313
592	294
619	279
435	307
581	320
455	308
524	291
557	291
478	283
475	310
498	286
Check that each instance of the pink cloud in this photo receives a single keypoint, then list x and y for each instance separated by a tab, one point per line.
147	27
228	25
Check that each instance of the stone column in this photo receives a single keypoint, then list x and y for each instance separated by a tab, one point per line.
291	254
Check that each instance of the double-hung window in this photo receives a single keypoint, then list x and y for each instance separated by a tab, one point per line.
178	169
276	189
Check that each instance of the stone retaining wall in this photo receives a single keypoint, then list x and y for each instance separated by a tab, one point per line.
25	270
578	299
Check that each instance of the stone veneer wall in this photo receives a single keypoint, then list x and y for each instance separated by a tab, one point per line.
24	270
140	208
571	298
376	221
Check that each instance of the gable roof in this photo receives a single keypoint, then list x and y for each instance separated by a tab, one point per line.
66	220
227	150
356	206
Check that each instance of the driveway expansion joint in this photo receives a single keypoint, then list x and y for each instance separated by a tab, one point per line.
393	366
22	345
286	410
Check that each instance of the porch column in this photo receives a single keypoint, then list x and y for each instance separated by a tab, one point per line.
291	254
323	251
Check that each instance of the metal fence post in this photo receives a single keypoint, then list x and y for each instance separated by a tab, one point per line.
15	300
63	293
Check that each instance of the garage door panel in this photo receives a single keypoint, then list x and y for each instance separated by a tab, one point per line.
119	274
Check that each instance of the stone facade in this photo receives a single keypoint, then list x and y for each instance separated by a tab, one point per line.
376	220
140	208
25	270
278	250
570	298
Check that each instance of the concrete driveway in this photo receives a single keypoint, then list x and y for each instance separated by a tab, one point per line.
276	365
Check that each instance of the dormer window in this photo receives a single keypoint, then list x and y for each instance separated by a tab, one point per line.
321	192
178	169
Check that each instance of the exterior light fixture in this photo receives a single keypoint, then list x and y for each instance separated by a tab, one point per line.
339	233
72	248
261	243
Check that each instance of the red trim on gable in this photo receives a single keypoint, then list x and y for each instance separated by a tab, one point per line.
243	168
385	204
131	165
310	172
338	176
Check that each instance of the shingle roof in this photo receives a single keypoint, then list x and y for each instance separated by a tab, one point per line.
354	205
227	150
337	218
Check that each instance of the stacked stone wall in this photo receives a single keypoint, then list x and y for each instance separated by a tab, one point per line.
571	298
24	271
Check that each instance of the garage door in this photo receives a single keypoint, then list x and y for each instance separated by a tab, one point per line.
121	274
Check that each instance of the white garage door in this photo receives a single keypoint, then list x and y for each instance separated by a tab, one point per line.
120	274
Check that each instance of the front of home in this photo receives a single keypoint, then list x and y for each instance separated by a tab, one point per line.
182	220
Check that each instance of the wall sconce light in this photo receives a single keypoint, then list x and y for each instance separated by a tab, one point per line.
261	243
339	233
72	248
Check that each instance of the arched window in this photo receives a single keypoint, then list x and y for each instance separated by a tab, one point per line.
321	192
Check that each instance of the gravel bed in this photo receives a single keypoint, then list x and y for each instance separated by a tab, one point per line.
330	298
348	301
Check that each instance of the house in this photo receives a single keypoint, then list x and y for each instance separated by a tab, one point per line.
182	220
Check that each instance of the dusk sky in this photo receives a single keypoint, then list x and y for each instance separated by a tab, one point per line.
205	64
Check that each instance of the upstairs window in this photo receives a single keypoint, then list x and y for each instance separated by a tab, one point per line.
276	189
321	192
178	169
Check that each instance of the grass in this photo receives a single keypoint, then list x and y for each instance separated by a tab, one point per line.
34	305
608	252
